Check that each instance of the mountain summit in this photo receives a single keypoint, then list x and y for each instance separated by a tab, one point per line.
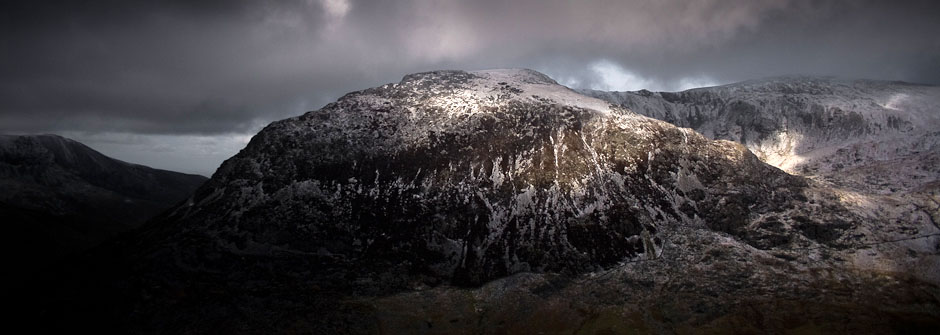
500	201
472	176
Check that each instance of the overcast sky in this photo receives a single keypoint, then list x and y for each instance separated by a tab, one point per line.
182	85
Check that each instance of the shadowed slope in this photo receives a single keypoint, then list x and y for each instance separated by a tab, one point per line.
60	197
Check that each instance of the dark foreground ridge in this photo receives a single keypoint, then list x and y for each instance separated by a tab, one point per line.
489	202
60	197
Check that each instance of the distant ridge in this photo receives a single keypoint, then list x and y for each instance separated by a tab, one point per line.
847	131
60	197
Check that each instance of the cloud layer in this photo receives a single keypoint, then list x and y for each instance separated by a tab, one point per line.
207	68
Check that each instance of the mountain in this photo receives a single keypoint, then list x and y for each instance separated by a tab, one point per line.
61	197
501	202
873	136
875	143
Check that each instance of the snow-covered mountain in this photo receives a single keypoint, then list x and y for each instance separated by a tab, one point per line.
875	143
500	201
874	136
59	197
474	176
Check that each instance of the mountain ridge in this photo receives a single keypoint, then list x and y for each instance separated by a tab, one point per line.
504	200
61	197
818	127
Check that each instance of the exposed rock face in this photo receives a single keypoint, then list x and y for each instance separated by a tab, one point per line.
876	144
417	192
59	197
469	177
875	136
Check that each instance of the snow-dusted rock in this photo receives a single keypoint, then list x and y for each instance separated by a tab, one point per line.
875	143
873	136
500	201
471	176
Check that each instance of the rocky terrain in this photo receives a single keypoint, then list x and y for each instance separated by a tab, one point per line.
875	143
501	202
874	136
60	197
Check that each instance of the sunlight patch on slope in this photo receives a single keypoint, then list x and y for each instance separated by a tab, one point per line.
895	101
532	88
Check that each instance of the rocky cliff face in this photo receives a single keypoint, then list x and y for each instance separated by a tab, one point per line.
575	213
874	136
469	177
874	143
60	197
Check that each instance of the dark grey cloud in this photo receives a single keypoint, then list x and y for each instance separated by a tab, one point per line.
225	68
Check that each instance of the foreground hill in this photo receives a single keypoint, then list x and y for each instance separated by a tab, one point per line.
60	197
499	201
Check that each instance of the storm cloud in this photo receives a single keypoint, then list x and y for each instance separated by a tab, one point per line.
110	70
